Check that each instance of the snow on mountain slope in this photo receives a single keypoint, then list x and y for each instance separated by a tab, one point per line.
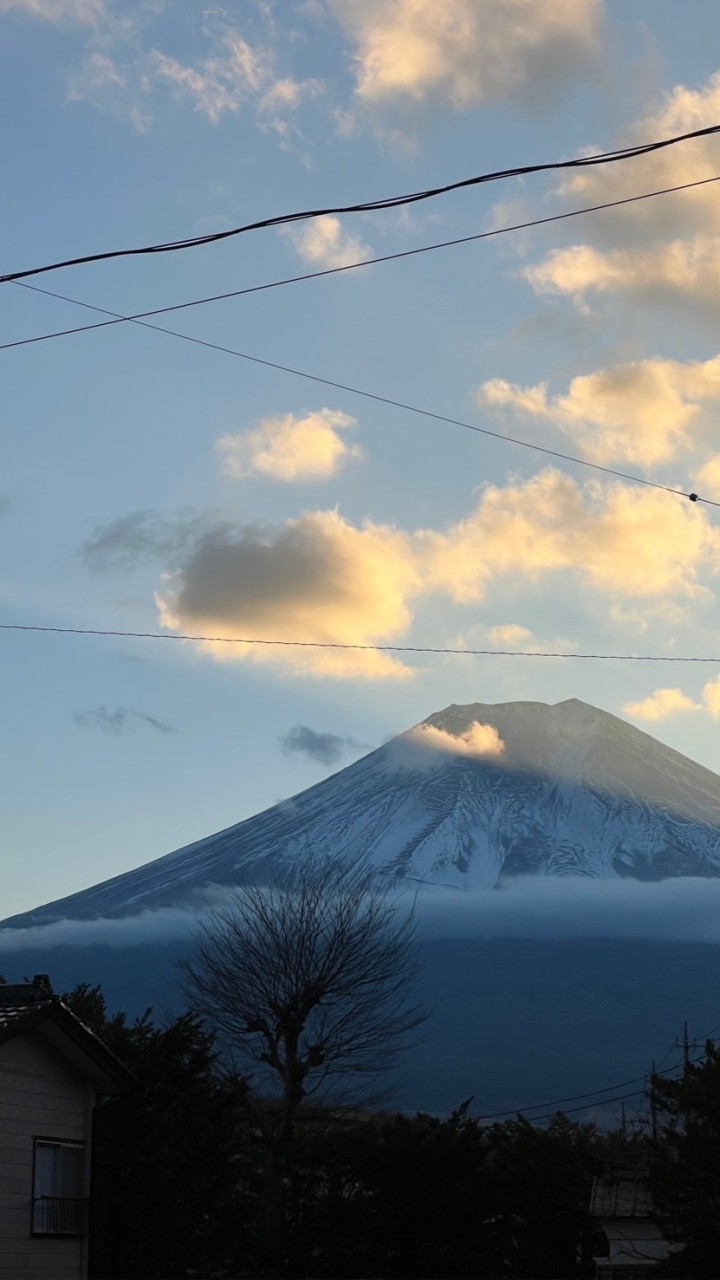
557	790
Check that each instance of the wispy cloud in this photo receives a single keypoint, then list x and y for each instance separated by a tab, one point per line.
84	12
324	748
290	448
121	720
513	636
143	536
234	75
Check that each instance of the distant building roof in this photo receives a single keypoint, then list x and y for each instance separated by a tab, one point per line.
34	1007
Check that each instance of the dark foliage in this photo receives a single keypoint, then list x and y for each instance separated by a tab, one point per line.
684	1170
164	1155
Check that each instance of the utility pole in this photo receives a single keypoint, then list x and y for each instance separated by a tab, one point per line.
684	1044
653	1106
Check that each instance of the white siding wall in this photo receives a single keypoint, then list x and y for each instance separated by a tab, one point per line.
39	1096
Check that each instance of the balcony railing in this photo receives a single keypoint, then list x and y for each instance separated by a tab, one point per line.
60	1216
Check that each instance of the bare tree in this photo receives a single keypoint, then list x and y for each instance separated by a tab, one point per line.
307	977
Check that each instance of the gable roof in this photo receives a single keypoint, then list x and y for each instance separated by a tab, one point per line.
36	1011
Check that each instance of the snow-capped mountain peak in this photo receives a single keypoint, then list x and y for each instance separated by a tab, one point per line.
471	796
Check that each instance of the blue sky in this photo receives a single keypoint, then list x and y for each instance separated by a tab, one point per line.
150	484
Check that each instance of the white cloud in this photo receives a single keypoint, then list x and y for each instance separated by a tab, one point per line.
680	908
638	412
478	740
676	909
426	745
660	705
470	51
290	448
85	12
325	242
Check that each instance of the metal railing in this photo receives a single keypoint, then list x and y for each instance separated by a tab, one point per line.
60	1216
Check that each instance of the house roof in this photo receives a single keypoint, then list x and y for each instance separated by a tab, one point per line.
33	1009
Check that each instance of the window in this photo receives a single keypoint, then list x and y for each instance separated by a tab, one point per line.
59	1206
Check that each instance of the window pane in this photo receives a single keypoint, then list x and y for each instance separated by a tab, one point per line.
71	1180
46	1169
46	1173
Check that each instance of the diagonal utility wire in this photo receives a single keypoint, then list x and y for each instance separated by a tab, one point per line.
393	202
329	271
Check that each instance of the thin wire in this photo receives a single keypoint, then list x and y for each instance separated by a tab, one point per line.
328	271
388	400
575	1097
549	1115
393	202
331	644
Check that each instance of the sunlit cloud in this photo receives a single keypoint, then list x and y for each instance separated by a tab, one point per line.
320	579
678	271
707	477
639	412
326	242
290	448
512	636
471	52
477	740
616	538
660	705
653	251
317	579
664	703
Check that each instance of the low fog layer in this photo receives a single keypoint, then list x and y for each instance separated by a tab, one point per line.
677	910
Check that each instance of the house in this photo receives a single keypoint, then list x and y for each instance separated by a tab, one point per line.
52	1069
622	1206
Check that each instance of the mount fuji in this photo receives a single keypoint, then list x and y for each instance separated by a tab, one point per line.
471	797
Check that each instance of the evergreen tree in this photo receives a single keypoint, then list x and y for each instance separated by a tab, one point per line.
684	1171
164	1183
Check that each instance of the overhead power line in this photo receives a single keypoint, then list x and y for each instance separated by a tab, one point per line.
371	206
372	648
376	397
579	1097
139	316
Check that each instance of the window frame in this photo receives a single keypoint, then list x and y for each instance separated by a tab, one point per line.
77	1144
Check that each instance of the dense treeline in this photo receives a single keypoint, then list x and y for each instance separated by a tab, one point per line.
178	1177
